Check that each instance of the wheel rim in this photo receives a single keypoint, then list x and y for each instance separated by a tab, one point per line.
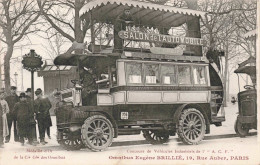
98	133
193	127
76	142
156	136
72	144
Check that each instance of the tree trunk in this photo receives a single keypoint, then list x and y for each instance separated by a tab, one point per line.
228	85
225	74
77	24
193	27
7	67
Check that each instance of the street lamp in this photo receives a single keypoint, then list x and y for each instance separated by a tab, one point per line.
32	62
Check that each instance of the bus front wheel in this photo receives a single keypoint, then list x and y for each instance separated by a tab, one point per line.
191	127
97	132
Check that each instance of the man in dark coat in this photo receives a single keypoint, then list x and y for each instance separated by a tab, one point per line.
42	106
32	137
24	113
12	99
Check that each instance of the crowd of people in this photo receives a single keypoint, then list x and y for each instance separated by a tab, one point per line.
24	114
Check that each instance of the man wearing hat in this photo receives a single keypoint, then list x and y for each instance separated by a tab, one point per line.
42	107
24	113
28	93
32	137
12	99
4	109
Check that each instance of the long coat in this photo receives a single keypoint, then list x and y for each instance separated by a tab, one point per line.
12	100
5	109
42	107
24	113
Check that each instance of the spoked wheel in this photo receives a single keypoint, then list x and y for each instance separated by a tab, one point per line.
191	126
156	136
97	132
241	129
72	144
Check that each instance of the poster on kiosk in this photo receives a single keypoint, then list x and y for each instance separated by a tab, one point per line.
129	82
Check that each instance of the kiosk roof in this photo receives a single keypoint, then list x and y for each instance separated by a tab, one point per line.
143	13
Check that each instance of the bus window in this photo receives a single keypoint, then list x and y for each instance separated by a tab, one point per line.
184	75
151	72
113	76
199	75
134	73
168	74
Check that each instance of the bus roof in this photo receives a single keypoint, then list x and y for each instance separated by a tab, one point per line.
143	13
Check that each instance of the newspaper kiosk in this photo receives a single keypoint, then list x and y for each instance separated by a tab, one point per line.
151	78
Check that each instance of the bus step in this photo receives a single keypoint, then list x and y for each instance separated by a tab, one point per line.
129	131
217	119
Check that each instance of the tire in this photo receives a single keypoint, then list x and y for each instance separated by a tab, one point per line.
191	127
156	136
70	144
240	129
97	133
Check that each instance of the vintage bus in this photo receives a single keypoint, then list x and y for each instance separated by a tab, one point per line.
126	89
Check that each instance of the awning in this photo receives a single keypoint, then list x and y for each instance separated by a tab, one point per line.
143	13
53	70
248	66
250	34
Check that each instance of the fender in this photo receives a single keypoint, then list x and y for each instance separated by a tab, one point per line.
184	106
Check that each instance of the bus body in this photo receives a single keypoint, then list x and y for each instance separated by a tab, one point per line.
159	91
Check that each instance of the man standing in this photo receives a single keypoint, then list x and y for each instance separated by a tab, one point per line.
32	137
12	99
42	106
2	119
5	109
24	114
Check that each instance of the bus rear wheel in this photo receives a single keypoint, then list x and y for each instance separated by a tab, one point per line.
156	136
191	127
69	144
97	132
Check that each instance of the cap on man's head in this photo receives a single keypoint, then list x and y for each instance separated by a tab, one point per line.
28	90
22	95
38	91
13	88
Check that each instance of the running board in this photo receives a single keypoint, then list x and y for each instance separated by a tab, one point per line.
217	120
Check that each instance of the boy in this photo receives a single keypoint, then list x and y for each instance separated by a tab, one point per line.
24	113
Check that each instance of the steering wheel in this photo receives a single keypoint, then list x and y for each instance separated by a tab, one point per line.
248	86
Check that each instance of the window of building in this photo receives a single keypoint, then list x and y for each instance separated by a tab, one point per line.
168	74
134	73
199	75
184	75
151	72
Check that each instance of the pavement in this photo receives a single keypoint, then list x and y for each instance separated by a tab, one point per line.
221	146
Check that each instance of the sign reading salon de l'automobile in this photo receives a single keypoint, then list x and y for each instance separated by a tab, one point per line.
151	37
